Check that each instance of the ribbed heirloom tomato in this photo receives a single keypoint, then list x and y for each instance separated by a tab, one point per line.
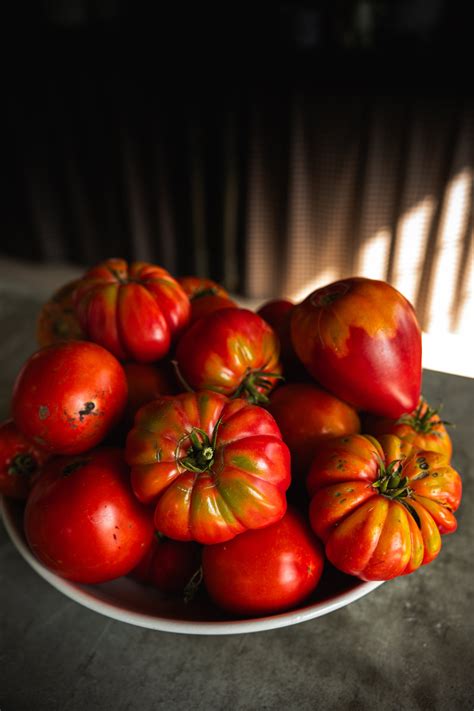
422	427
231	351
379	506
360	339
83	521
214	467
134	311
68	396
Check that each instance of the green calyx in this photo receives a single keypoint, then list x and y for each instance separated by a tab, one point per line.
391	483
421	421
22	465
200	456
212	291
256	385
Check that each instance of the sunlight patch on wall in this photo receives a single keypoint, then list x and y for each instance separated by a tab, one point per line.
325	277
410	250
444	287
373	256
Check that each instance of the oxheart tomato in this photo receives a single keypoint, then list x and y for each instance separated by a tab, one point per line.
422	427
83	521
231	351
57	320
20	461
380	506
306	415
168	565
360	339
132	310
264	571
68	396
205	296
214	467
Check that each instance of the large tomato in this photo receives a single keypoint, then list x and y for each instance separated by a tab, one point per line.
231	351
360	339
20	461
205	296
422	427
133	311
68	396
380	506
264	571
306	415
214	467
57	320
83	521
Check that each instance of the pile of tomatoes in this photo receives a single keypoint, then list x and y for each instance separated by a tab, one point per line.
163	432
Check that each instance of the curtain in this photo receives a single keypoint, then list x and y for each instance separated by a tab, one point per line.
271	190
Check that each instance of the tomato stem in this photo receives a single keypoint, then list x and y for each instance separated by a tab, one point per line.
22	465
391	483
200	456
423	419
256	385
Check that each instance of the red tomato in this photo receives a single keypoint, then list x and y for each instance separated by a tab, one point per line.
422	428
277	313
306	415
147	382
380	506
57	320
20	462
68	396
168	565
205	296
360	339
133	311
82	520
214	467
231	351
265	571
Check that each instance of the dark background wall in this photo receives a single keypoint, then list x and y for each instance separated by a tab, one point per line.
238	142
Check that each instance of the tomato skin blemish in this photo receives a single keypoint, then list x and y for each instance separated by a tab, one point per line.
43	412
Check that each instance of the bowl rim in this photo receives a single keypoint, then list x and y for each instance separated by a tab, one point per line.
83	594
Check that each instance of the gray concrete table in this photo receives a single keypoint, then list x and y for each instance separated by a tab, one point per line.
408	645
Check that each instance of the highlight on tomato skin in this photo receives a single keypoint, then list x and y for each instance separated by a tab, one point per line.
212	467
422	427
266	570
381	506
360	339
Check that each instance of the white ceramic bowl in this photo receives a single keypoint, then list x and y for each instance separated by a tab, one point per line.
128	601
